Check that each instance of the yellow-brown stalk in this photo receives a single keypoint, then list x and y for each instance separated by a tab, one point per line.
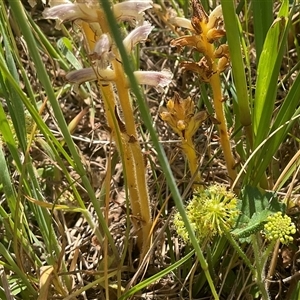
188	148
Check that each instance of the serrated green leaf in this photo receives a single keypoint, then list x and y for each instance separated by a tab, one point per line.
254	225
255	208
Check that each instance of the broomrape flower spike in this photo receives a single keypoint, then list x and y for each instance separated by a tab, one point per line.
205	30
210	212
107	69
280	228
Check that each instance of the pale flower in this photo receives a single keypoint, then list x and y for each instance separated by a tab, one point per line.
90	74
90	11
137	35
131	10
154	78
182	22
102	51
68	11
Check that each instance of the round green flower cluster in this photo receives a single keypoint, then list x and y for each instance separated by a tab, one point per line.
279	227
210	212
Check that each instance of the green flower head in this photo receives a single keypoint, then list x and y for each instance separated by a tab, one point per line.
279	227
210	212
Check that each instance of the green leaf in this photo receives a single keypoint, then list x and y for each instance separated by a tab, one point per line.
254	225
286	117
262	19
255	208
267	74
253	201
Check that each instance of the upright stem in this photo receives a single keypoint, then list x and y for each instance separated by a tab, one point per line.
260	260
224	138
190	152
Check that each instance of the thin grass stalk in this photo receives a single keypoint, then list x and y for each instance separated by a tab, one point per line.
161	154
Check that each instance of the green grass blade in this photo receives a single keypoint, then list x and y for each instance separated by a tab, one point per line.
233	34
284	120
262	20
13	101
267	74
5	180
45	44
11	264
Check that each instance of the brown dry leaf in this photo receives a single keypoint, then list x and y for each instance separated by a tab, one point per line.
45	280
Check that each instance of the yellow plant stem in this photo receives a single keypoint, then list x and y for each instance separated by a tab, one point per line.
224	138
133	156
89	35
139	170
124	151
191	155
